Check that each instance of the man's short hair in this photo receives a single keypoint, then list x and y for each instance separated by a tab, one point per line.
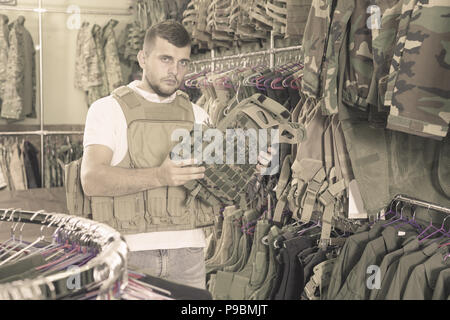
171	30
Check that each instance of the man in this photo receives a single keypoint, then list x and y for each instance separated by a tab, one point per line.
126	169
176	255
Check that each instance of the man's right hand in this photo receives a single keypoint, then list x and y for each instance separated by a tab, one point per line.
176	173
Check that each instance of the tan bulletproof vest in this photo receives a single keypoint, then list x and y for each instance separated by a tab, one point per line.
150	126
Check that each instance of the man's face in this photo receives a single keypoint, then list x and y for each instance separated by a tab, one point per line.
164	66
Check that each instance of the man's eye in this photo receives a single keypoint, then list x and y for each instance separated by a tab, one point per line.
165	59
184	63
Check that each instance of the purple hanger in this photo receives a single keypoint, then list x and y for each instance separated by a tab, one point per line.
441	229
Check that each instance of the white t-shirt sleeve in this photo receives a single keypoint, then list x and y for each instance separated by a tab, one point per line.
106	125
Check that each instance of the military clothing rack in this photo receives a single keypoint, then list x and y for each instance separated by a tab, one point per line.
271	52
108	269
421	203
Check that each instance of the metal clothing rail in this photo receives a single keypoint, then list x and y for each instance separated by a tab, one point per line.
249	54
105	270
271	52
421	203
44	133
45	10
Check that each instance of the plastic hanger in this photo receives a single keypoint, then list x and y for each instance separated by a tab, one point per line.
399	219
19	244
441	230
317	224
53	246
12	238
411	222
40	238
428	227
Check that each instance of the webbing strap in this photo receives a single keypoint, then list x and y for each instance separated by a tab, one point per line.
320	279
290	197
310	289
328	199
279	208
310	196
193	194
291	133
282	189
270	105
274	8
284	176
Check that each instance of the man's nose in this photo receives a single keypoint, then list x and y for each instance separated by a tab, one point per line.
173	69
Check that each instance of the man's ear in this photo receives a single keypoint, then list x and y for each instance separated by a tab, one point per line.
141	58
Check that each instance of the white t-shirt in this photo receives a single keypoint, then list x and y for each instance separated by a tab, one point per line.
106	125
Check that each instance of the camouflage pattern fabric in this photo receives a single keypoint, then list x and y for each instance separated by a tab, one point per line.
4	47
420	102
314	45
20	89
359	68
341	16
114	71
383	45
406	11
100	91
87	63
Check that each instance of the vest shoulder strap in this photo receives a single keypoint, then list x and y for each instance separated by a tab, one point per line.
128	96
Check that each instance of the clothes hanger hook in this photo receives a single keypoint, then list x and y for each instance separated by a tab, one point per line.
443	222
4	214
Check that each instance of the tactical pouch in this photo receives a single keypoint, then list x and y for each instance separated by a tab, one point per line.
103	210
78	203
129	212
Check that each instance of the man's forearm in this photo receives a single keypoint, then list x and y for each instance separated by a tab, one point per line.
115	181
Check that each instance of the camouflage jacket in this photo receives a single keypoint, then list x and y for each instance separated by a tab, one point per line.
19	99
418	91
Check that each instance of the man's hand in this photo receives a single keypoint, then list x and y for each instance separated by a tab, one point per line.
264	159
176	173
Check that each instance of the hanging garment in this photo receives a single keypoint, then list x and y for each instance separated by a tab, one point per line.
87	63
422	281
297	16
406	265
418	98
96	92
290	287
31	162
113	71
4	48
348	258
16	168
389	266
19	100
269	282
355	287
3	179
442	288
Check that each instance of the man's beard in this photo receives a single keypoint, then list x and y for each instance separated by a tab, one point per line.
157	90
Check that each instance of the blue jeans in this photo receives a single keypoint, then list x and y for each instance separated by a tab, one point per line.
185	266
